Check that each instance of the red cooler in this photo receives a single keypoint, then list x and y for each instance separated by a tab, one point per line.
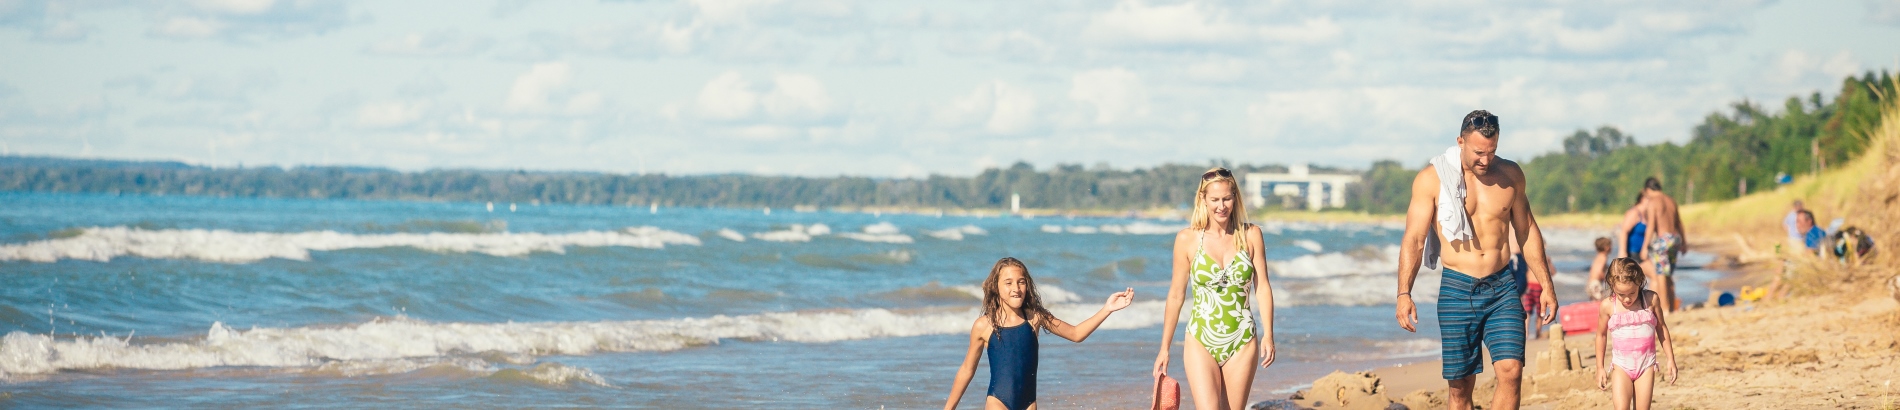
1580	317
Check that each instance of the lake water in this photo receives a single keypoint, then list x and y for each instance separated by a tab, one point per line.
220	302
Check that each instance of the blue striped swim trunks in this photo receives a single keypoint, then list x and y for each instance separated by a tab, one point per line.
1474	312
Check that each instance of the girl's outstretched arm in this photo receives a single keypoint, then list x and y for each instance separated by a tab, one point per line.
1668	342
1079	332
979	336
1171	316
1263	295
1603	340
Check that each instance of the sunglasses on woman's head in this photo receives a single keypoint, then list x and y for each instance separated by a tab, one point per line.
1217	172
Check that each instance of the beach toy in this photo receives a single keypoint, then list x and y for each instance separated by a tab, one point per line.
1751	294
1727	299
1167	394
1578	318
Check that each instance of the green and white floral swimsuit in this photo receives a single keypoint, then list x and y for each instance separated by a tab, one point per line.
1222	320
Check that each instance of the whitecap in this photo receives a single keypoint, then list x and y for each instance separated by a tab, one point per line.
731	235
25	354
104	244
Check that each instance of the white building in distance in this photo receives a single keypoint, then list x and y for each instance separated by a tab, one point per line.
1319	190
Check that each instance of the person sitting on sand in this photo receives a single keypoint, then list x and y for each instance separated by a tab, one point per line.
1221	260
1630	325
1811	236
1462	207
1793	223
1012	313
1598	266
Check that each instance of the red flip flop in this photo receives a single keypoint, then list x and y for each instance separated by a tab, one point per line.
1167	393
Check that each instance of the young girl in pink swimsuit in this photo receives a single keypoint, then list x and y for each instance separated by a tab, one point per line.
1630	326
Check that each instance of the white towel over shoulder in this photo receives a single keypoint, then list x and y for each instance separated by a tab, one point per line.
1453	224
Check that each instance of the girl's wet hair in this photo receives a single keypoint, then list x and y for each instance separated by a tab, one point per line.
993	296
1603	244
1626	270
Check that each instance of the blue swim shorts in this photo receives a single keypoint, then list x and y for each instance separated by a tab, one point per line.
1475	312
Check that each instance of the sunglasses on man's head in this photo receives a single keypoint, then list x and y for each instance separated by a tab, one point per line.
1217	172
1481	122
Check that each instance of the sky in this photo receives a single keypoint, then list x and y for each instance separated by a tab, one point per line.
891	88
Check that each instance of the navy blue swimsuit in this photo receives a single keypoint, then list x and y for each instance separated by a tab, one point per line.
1635	242
1012	353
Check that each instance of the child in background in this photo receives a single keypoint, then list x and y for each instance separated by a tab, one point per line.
1012	313
1598	266
1630	326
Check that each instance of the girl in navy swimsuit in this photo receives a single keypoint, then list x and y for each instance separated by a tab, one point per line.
1012	313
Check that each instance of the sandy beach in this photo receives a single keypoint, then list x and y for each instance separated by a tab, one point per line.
1831	351
1830	342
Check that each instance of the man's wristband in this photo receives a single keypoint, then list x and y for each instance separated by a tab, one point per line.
1405	293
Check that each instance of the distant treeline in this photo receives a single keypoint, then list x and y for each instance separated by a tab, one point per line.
1602	171
1063	186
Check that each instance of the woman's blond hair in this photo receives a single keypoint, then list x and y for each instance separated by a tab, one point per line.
1201	219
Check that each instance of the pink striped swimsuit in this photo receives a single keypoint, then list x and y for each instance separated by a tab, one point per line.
1633	341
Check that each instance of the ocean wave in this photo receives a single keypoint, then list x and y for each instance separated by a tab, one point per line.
795	233
957	233
1359	277
1133	228
551	374
103	244
883	232
1362	261
938	291
390	340
731	235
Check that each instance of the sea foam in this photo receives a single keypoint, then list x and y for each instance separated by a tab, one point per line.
104	243
382	345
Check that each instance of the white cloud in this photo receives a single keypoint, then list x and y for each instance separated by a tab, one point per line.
1131	21
532	89
1883	11
1794	67
728	11
790	99
389	114
238	7
727	97
442	43
796	96
1012	45
1309	31
852	86
187	27
997	107
246	20
1115	93
1219	69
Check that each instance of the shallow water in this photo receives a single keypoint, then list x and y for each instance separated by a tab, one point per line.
186	301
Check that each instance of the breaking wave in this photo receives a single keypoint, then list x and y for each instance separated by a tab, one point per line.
1134	228
103	244
401	344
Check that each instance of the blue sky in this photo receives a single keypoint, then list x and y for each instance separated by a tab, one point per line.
889	87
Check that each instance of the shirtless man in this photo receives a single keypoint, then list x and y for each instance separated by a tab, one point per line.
1664	241
1478	297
